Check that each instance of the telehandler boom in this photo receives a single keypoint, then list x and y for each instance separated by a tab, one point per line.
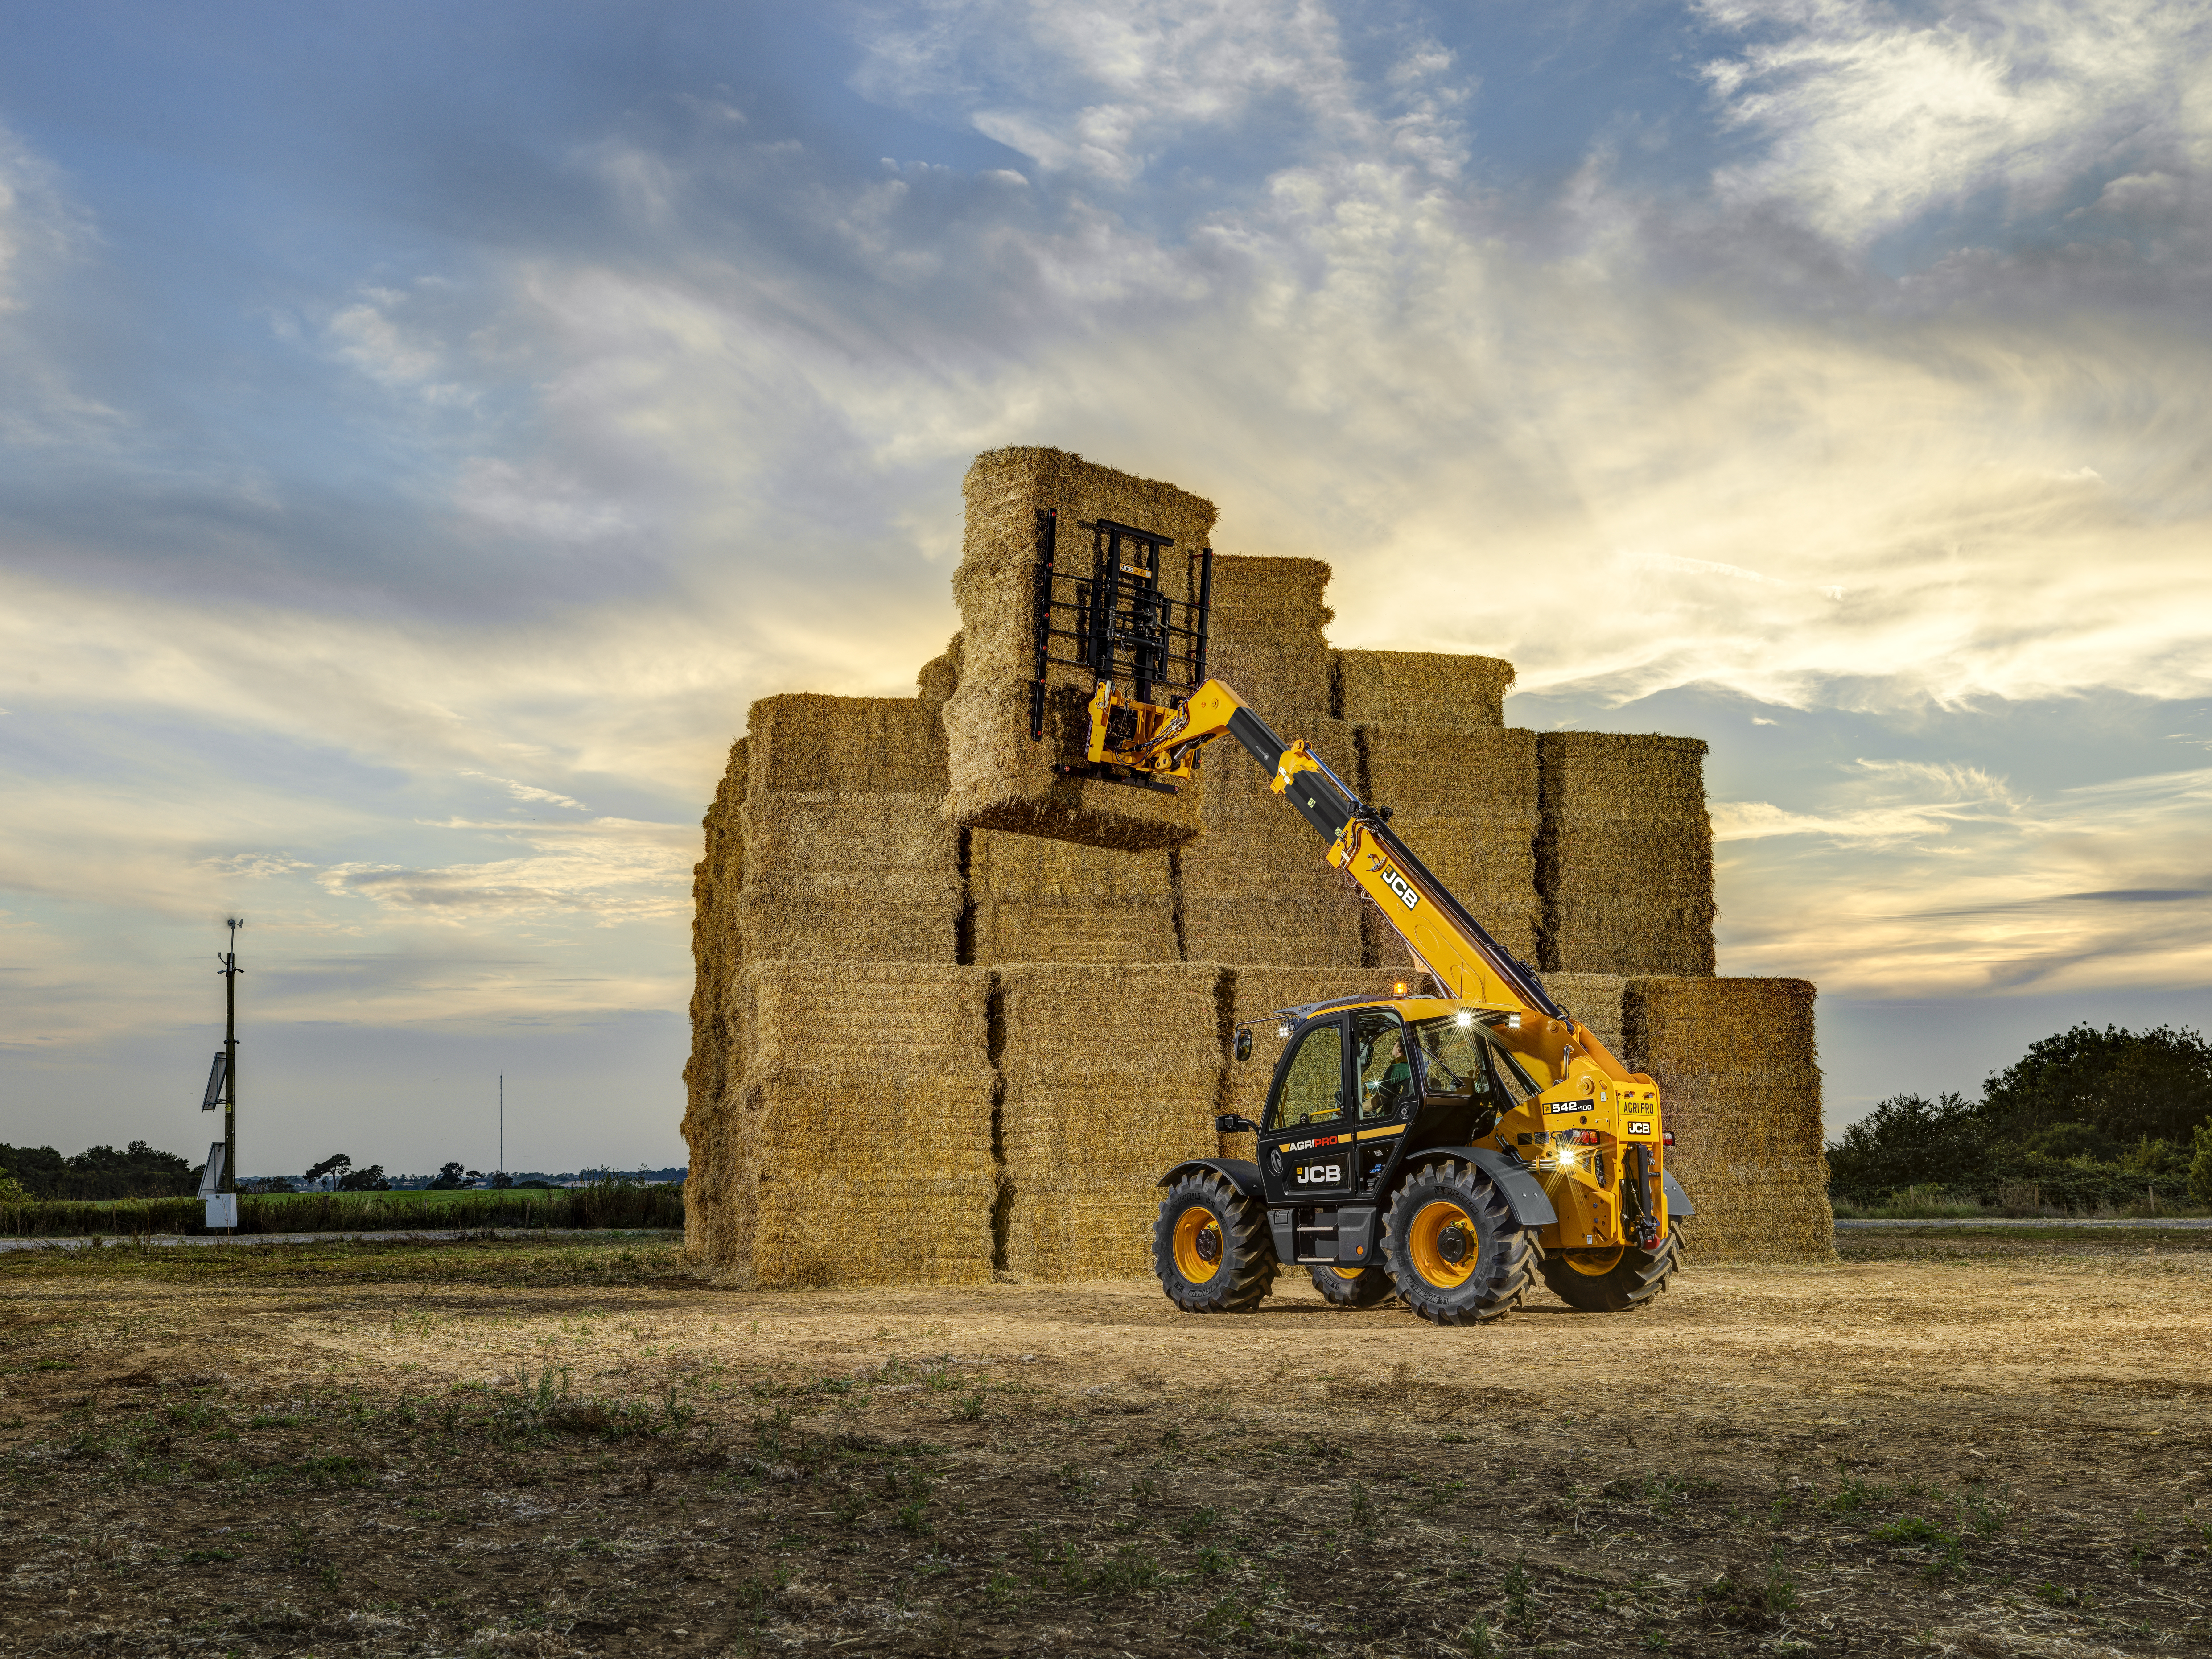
1448	1145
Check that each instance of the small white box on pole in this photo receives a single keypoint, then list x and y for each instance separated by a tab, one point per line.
221	1210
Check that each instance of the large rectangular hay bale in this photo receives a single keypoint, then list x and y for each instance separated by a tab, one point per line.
1420	687
1625	857
846	856
1002	779
1740	1080
1035	900
715	1064
807	743
863	1144
1257	886
1256	994
1464	799
1108	1074
1266	639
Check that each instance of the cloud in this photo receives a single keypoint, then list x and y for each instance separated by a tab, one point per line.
609	869
1870	117
1936	879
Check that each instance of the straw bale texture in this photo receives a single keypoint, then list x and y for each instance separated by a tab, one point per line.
939	677
846	857
1086	1124
1265	637
1596	1001
716	1063
862	1148
1257	886
806	743
1255	993
1001	779
1740	1081
1625	857
1464	799
1427	687
1054	901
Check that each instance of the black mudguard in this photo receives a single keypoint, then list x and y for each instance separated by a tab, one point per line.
1522	1195
1678	1202
1246	1176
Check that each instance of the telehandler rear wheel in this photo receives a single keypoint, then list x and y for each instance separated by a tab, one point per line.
1362	1287
1211	1246
1454	1252
1611	1281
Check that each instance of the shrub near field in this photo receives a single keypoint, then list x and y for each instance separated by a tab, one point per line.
607	1204
2085	1120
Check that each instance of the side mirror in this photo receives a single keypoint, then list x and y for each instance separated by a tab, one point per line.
1243	1042
1231	1123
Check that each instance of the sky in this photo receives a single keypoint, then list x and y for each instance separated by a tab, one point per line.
425	428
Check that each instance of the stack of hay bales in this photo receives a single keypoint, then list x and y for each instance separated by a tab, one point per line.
1625	858
1464	799
1034	900
1110	1075
933	976
1255	993
1740	1081
846	858
860	1153
1002	779
712	1073
1256	886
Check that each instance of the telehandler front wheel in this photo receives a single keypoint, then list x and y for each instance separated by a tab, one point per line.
1612	1281
1454	1252
1361	1287
1211	1246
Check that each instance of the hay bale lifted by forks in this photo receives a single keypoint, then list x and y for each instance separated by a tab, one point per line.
1001	777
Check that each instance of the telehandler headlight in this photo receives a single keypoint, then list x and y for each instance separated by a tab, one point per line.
1464	1018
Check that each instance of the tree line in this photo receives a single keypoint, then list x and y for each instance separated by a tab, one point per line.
2085	1118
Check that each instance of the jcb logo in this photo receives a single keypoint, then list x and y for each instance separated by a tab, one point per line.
1319	1174
1398	884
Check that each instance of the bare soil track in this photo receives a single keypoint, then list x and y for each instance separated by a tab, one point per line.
1989	1445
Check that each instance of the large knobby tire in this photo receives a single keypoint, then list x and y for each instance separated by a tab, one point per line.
1454	1252
1612	1281
1362	1287
1211	1246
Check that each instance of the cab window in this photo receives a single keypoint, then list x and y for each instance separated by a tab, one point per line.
1312	1086
1455	1061
1386	1076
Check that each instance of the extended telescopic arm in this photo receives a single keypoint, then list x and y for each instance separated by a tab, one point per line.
1467	963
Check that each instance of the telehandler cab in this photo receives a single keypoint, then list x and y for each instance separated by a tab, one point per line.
1447	1145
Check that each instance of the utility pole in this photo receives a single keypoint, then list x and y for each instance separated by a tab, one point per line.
230	971
502	1123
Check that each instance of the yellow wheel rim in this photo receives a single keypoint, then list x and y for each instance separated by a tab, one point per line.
1347	1272
1445	1244
1198	1244
1594	1263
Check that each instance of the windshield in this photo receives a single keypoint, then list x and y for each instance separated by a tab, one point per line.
1451	1058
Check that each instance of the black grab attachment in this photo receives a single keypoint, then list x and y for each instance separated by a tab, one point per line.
1114	620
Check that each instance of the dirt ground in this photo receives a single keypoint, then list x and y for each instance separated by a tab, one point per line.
1965	1444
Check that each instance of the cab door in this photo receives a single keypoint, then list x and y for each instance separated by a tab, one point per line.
1306	1135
